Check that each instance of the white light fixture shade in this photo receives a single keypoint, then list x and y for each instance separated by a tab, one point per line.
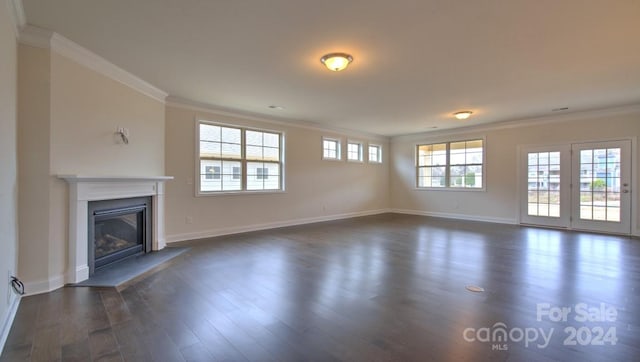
463	114
336	61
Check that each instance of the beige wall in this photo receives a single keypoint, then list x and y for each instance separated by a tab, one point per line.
68	116
315	189
86	109
8	163
33	159
499	202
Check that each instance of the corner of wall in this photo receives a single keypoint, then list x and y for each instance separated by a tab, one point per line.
8	322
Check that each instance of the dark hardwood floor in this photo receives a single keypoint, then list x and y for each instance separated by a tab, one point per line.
380	288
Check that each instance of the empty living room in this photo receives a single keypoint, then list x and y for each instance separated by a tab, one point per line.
351	180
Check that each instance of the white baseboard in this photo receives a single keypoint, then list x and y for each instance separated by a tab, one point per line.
43	286
8	322
496	220
256	227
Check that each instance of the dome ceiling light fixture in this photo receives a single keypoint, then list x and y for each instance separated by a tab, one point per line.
462	114
336	61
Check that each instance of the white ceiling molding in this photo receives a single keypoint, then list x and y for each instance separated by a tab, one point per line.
35	37
209	109
528	122
43	38
16	12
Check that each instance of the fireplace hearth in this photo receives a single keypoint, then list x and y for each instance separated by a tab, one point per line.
87	189
118	229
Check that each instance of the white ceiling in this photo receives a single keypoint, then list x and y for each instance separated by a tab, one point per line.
415	62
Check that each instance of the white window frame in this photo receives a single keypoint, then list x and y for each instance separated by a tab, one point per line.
379	153
360	145
243	176
448	166
338	143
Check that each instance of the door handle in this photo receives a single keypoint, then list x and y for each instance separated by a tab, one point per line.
625	191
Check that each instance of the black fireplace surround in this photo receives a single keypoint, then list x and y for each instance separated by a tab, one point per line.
118	229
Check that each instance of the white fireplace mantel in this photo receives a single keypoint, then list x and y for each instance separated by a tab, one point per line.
83	189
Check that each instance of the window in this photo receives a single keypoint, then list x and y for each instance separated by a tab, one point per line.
263	174
375	154
212	172
354	151
451	165
236	159
330	149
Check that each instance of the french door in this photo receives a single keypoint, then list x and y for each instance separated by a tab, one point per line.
582	186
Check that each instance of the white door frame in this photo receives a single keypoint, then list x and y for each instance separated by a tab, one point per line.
522	177
564	219
626	159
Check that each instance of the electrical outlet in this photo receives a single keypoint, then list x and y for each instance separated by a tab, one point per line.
188	220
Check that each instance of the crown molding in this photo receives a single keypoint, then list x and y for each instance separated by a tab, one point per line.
527	122
179	102
44	38
35	37
16	13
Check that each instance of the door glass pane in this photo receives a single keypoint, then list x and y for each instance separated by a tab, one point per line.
600	184
543	171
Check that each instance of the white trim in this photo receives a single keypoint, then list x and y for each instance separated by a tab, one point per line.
519	123
44	285
82	190
635	226
80	178
448	165
18	20
210	109
445	215
35	37
266	226
243	160
563	221
338	142
43	38
360	151
8	321
379	153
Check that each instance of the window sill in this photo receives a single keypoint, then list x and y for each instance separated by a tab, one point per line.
238	193
484	189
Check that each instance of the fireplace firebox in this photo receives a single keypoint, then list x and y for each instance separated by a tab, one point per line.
118	229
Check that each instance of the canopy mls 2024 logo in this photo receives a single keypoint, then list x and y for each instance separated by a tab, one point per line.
600	331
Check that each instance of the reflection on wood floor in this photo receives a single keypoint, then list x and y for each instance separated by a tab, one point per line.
387	287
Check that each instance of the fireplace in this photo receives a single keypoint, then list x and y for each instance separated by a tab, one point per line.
118	229
87	189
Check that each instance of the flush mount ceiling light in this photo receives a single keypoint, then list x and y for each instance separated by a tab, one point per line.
463	114
336	61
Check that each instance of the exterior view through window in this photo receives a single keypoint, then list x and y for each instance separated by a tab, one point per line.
234	159
450	165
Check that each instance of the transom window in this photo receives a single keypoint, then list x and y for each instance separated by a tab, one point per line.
450	165
234	159
354	151
375	154
330	149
